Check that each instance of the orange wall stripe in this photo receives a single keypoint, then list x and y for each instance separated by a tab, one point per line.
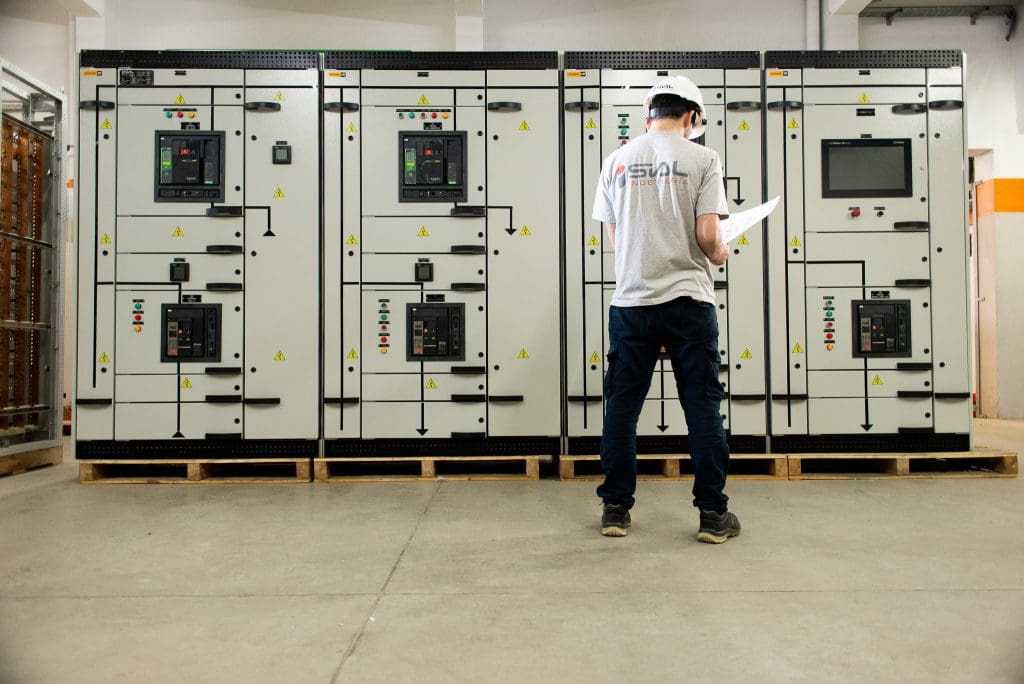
985	198
1009	194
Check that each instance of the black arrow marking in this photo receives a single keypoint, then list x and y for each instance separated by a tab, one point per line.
867	414
738	199
422	429
662	426
510	231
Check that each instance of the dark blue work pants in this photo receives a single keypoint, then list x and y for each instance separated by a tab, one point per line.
688	330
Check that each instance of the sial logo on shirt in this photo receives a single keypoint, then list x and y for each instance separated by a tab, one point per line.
646	173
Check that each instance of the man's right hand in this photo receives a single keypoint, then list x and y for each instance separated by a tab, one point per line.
721	256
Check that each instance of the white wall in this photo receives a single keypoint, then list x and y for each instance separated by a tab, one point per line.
644	25
34	37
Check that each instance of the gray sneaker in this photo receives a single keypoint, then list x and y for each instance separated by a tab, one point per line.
615	521
716	528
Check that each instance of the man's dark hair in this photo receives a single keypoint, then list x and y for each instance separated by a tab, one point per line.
668	106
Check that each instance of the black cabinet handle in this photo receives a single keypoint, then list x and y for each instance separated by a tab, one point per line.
913	365
582	106
341	400
469	370
262	106
223	370
912	108
223	399
721	285
262	401
223	211
467	287
722	367
783	105
912	282
504	106
789	397
224	287
468	398
94	402
224	249
910	225
913	394
468	211
749	397
96	105
584	398
468	249
952	395
743	106
505	398
945	105
223	435
337	107
468	435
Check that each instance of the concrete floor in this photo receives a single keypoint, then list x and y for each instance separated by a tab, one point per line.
873	581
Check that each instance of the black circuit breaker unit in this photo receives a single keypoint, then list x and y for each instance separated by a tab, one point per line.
189	166
882	328
436	332
432	166
191	333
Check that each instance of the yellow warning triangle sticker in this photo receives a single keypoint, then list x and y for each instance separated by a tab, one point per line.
523	354
431	384
793	123
180	99
590	124
104	358
525	232
352	354
423	232
106	124
351	127
594	358
593	241
351	240
279	97
795	242
797	349
743	240
864	98
178	232
744	126
746	354
422	100
278	194
186	384
524	126
105	240
279	356
877	380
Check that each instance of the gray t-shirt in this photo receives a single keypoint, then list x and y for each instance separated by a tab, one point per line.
653	189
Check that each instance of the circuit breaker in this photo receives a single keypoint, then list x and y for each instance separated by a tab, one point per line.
441	253
868	275
198	254
603	110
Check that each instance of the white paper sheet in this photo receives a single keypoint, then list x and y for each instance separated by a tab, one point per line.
738	223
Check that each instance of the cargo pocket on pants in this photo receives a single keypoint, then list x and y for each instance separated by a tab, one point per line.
714	389
612	356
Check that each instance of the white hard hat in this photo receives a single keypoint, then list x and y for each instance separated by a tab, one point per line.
684	88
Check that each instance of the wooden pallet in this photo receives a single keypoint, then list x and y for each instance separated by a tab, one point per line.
852	466
677	467
418	469
199	471
29	460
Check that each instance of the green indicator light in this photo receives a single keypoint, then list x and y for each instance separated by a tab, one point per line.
401	115
138	306
168	114
383	317
828	303
828	314
623	131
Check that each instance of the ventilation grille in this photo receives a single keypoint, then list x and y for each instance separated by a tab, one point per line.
625	59
357	59
863	59
200	59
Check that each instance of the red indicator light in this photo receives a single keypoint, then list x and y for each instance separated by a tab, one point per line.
855	212
138	317
181	114
829	336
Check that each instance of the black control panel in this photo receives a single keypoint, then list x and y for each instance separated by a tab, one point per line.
436	332
191	332
189	166
432	166
882	328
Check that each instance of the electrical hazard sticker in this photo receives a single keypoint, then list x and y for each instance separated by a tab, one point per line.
744	126
522	354
180	99
278	194
524	126
279	356
105	240
279	97
104	358
743	240
795	242
351	240
351	128
423	100
593	241
746	354
352	355
797	349
793	123
178	232
106	124
186	384
525	232
590	124
877	380
423	232
431	384
595	358
864	99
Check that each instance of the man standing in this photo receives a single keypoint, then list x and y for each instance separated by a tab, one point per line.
661	197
